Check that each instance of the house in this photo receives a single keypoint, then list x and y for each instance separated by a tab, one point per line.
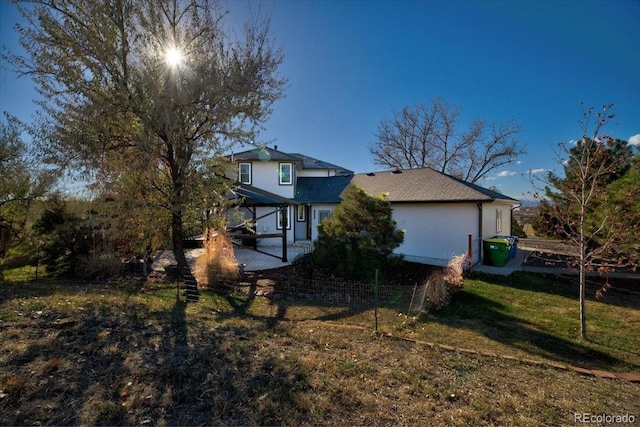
441	215
286	195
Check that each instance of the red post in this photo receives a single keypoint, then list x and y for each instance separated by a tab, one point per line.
470	244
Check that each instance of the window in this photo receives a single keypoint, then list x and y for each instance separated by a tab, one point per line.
286	173
244	173
283	217
302	213
498	220
322	215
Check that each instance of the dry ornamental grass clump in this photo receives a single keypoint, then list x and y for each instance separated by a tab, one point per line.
218	262
442	284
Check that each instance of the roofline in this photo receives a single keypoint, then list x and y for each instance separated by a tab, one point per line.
291	158
440	202
281	201
470	185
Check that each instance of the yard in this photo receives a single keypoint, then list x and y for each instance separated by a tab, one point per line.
81	353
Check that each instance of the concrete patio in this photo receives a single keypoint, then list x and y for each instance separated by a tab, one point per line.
250	259
514	264
255	261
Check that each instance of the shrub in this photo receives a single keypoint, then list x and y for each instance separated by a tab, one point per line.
99	267
441	285
65	239
218	262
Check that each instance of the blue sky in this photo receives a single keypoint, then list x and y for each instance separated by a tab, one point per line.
351	64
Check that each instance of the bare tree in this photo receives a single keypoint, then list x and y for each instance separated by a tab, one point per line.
428	135
572	204
162	83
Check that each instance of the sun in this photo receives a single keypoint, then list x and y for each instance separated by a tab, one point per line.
173	56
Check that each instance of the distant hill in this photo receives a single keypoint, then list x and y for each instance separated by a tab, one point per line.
529	204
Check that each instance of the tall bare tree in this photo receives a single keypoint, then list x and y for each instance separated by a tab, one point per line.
430	135
574	204
161	81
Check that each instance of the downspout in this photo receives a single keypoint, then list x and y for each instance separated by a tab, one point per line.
480	253
285	219
513	208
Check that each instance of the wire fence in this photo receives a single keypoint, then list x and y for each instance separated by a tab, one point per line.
331	292
357	295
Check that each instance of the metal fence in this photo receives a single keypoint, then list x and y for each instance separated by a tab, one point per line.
332	292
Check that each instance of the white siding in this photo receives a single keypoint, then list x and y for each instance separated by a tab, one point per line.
315	216
269	225
265	177
436	232
490	216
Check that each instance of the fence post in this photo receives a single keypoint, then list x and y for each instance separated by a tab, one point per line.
375	298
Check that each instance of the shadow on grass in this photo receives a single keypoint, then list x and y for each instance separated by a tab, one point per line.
487	317
126	361
340	299
41	288
562	286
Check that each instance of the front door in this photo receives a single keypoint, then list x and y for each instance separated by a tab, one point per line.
302	223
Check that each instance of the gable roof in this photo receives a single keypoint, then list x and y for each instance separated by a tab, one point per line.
424	185
321	189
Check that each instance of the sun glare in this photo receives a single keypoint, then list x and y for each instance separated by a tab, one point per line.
173	57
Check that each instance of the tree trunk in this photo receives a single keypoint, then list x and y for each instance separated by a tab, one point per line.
583	316
177	237
582	278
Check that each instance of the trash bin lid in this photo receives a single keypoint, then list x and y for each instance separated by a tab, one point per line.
511	239
501	240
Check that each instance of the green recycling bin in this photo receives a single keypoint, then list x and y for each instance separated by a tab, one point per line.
496	251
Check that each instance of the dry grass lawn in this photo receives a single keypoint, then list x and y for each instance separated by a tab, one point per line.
96	354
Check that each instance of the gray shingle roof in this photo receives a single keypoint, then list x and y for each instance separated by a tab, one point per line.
253	196
271	154
311	163
321	190
424	185
264	154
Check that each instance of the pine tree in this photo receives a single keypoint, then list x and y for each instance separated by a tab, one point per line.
360	236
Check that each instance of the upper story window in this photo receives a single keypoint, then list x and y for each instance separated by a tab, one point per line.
286	173
244	173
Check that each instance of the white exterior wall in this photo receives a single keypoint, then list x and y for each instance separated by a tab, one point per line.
268	225
315	216
489	219
437	231
265	175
